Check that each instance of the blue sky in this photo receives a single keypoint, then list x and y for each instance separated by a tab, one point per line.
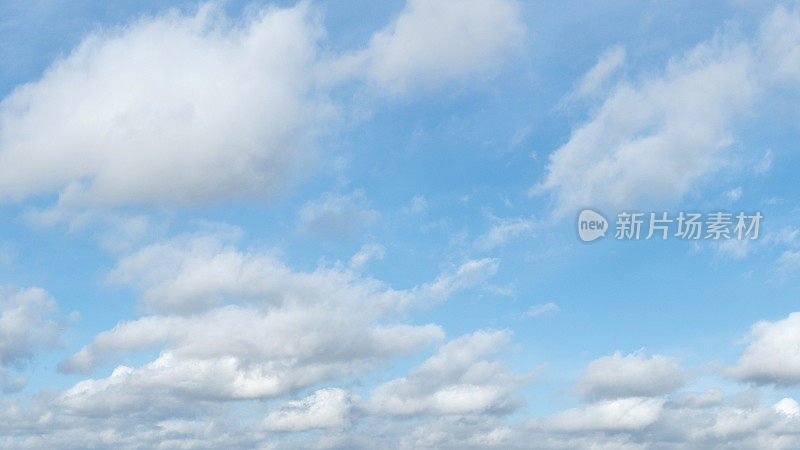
313	224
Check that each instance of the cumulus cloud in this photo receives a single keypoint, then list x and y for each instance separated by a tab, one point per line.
27	323
197	271
177	108
457	380
233	325
632	375
435	41
772	354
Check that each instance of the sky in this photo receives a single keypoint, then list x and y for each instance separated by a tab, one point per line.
355	224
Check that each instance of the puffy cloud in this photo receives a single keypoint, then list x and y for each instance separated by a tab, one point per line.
176	108
632	375
788	407
772	354
198	271
435	41
233	325
27	323
457	380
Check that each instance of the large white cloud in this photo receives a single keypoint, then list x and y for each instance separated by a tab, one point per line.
657	137
176	108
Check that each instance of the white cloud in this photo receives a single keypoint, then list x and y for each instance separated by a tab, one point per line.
469	274
780	45
337	215
772	354
788	262
504	230
233	325
199	271
367	253
27	323
788	407
539	310
658	137
709	398
764	164
457	380
598	76
435	41
734	194
632	375
171	109
418	206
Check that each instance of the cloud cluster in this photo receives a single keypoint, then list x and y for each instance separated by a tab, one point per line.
187	108
460	397
234	325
